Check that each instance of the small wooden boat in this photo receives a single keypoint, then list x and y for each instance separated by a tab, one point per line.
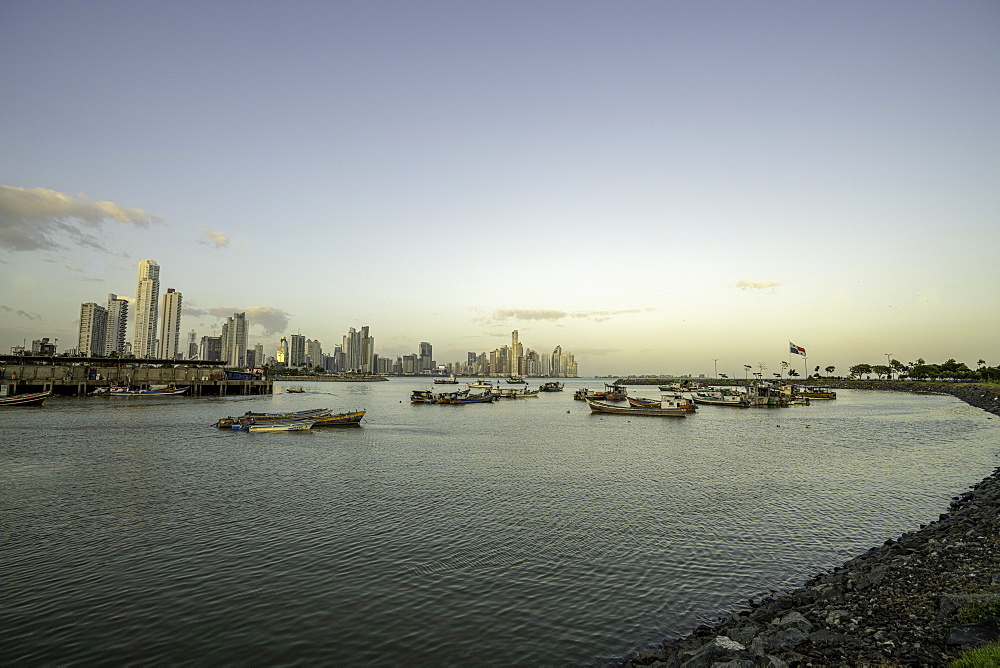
721	398
119	391
676	400
484	398
351	419
551	387
658	411
815	393
294	390
511	393
311	412
290	425
32	399
429	397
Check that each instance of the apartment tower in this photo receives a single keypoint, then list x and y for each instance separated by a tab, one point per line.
147	296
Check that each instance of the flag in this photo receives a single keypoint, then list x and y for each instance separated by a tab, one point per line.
797	350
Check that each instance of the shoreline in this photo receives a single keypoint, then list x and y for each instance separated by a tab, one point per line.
893	605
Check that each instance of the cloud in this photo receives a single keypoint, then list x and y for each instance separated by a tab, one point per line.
23	314
552	315
217	239
270	320
34	218
757	285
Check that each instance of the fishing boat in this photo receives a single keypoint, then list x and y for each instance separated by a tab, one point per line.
515	380
658	411
291	425
123	391
721	398
32	399
429	397
481	385
450	380
554	386
352	418
676	400
815	393
511	393
612	392
484	398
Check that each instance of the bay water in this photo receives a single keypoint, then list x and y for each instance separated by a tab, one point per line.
525	532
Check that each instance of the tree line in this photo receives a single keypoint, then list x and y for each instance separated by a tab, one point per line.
921	370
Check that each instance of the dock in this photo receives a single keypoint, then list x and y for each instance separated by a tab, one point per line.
80	376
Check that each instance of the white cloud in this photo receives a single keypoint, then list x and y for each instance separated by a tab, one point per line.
217	239
39	219
552	315
757	285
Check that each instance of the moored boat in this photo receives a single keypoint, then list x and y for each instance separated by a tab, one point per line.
481	385
658	411
450	380
122	391
483	398
815	393
31	399
721	398
290	425
554	386
667	400
294	390
511	393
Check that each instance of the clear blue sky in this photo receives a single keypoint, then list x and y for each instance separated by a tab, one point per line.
650	185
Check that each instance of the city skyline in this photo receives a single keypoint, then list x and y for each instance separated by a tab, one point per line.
658	187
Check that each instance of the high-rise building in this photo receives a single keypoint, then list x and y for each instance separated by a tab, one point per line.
516	353
297	350
93	329
314	353
211	349
234	340
170	326
192	346
281	357
115	336
147	297
258	356
426	352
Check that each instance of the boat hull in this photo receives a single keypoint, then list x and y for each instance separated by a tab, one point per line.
33	399
598	407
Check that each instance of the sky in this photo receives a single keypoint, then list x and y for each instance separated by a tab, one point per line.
668	187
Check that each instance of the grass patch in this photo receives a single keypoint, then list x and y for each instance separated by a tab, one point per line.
975	611
982	657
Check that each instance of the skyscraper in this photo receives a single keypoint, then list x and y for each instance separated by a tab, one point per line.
281	357
147	296
170	326
234	340
93	329
426	356
297	350
116	336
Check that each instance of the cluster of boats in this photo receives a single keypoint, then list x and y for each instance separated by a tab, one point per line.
488	395
295	421
678	401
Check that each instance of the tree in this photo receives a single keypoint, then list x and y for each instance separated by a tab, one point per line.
860	370
880	370
792	373
830	369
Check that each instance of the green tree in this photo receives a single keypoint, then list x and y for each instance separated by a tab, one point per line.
860	370
830	369
880	370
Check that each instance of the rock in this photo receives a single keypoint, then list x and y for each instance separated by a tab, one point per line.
784	640
719	649
796	620
976	635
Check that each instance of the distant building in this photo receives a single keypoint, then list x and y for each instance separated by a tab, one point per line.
147	294
234	340
116	335
426	353
314	353
93	329
211	348
281	357
297	351
43	347
170	326
192	346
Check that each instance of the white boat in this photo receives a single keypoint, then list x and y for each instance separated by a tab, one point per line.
481	385
721	398
291	425
665	410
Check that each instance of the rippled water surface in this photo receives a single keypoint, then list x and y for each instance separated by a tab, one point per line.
523	532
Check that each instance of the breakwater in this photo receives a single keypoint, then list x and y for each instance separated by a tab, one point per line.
896	604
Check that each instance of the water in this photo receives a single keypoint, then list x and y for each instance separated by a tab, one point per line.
523	532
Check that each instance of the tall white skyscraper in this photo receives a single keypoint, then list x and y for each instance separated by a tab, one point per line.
234	340
297	350
147	297
170	326
117	332
93	329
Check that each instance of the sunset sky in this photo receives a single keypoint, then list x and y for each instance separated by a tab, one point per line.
651	185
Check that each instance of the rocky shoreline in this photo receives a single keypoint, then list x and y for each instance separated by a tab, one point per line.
894	605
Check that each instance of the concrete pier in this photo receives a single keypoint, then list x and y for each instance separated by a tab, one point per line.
70	376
